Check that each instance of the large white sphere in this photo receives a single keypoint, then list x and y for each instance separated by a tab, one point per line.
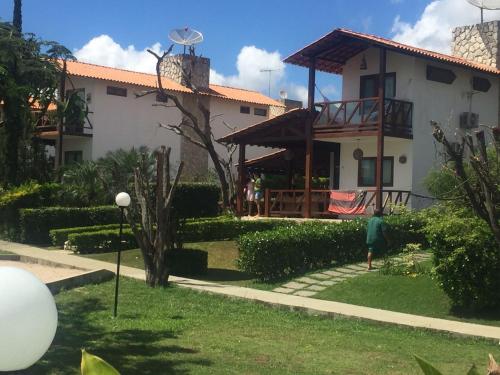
28	319
122	199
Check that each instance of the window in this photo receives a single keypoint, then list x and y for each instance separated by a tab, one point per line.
161	98
245	109
260	112
440	75
368	86
118	91
367	170
73	157
480	84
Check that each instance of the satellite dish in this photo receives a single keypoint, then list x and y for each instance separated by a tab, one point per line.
485	4
283	94
185	36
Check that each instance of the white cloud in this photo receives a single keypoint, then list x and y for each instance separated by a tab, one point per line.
103	50
249	64
433	29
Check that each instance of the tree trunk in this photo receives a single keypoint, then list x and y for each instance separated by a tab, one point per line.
224	186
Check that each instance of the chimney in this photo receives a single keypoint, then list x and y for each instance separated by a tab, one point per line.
478	43
197	69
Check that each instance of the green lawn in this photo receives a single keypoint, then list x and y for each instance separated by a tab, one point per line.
179	331
222	267
419	295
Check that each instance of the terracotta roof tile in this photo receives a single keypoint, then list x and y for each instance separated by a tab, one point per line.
340	35
80	69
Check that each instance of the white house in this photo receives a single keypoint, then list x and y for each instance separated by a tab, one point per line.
387	156
117	119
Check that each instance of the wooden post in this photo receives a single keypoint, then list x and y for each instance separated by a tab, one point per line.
309	138
380	130
60	127
241	180
267	202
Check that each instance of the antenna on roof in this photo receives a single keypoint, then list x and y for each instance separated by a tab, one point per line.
485	4
270	71
186	37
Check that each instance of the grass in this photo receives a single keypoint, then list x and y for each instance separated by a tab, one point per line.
179	331
420	295
222	267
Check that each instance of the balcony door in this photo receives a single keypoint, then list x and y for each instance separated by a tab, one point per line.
368	88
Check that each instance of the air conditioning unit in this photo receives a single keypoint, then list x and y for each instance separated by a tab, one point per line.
469	120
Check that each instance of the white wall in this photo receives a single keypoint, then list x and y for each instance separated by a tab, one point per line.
123	122
431	101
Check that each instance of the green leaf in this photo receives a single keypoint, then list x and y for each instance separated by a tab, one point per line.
473	371
93	365
426	367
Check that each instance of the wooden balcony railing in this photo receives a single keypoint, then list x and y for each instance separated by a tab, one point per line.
290	203
47	122
362	116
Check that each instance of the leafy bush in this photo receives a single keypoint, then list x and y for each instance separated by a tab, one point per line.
60	236
467	260
408	265
35	223
290	250
25	196
101	241
188	262
196	200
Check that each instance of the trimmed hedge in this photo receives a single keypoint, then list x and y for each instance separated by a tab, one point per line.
290	250
59	236
97	239
226	228
467	260
35	223
196	200
188	262
29	195
102	241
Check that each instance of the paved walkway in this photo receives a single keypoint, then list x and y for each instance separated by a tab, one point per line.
308	286
293	302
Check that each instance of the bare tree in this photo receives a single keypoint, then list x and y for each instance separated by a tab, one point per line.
156	230
480	182
193	128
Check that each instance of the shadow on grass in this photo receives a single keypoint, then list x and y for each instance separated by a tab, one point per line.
131	351
486	315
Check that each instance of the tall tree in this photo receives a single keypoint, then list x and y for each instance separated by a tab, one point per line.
17	19
194	128
29	77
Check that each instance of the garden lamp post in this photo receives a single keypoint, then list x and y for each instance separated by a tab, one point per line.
123	201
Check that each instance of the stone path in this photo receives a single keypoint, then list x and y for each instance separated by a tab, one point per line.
308	286
293	302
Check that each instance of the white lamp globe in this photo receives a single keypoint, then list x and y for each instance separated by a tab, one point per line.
28	319
122	199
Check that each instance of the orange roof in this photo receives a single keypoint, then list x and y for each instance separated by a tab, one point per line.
80	69
336	47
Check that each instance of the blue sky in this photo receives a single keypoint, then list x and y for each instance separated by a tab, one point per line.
270	30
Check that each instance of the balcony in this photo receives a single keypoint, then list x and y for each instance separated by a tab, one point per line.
47	126
361	117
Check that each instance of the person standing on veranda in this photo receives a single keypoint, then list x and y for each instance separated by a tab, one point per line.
257	183
250	195
376	236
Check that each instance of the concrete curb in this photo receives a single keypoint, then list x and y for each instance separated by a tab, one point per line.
91	277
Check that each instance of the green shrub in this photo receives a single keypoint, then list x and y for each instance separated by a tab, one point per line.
225	228
29	195
101	241
187	262
35	223
196	200
290	250
60	236
467	260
